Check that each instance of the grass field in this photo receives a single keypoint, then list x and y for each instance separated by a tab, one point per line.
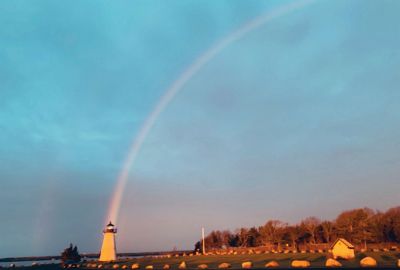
385	260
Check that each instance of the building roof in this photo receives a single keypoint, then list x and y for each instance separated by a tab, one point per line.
110	224
344	241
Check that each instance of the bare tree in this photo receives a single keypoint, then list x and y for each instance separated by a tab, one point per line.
272	232
311	224
328	230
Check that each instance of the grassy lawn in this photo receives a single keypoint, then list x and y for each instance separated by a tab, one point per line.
384	259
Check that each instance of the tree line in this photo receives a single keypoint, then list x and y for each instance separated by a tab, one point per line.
359	226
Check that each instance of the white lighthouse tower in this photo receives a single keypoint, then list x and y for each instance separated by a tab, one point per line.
108	249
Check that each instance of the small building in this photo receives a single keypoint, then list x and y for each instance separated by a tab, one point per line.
342	248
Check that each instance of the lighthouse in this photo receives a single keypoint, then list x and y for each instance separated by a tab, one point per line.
108	249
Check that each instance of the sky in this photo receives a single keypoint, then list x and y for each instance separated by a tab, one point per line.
300	117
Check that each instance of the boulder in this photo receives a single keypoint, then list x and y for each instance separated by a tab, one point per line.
247	265
300	264
272	264
368	262
332	263
135	266
202	266
166	267
224	265
182	265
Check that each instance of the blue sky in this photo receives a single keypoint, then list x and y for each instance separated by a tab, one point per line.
300	117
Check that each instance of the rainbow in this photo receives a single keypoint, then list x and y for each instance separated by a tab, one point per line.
176	87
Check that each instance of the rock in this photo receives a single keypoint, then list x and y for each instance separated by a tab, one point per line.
224	265
332	263
300	264
182	265
247	265
135	266
272	264
115	266
166	267
202	266
149	267
368	262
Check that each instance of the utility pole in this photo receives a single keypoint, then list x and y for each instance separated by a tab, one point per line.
204	244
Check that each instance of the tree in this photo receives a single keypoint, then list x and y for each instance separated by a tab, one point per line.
354	225
359	226
272	232
243	236
70	255
310	224
391	225
327	230
291	233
